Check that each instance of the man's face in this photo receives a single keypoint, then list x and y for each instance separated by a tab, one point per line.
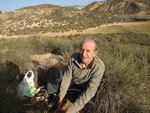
87	52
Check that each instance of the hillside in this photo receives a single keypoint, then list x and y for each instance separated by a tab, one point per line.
48	18
121	7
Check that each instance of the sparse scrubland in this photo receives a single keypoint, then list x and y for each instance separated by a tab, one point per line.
124	48
125	84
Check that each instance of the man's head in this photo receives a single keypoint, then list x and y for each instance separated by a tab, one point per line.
88	50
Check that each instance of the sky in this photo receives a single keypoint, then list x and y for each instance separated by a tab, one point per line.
11	5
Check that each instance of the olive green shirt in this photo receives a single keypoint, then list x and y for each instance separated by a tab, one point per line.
89	77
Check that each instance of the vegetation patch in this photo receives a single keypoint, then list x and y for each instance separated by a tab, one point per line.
125	84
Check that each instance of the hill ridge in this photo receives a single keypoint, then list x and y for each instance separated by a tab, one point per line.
52	18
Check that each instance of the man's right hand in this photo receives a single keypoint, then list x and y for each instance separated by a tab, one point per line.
59	104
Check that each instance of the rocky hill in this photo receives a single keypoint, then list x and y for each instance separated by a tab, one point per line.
51	18
121	7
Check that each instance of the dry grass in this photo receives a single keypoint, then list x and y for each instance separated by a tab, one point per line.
138	27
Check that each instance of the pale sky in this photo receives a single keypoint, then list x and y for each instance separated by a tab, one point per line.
11	5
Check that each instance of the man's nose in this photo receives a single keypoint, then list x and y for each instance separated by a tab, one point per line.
84	53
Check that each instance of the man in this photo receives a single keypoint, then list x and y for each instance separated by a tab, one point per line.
84	71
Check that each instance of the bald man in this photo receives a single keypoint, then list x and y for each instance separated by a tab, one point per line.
84	72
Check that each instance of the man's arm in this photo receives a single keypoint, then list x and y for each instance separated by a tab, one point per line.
66	80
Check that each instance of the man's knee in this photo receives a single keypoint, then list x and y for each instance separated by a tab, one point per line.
53	74
52	70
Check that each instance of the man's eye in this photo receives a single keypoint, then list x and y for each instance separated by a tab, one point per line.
87	51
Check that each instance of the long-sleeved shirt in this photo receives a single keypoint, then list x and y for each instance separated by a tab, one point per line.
89	77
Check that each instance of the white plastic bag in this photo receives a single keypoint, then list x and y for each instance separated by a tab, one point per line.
26	87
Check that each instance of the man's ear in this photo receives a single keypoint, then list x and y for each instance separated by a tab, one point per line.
96	52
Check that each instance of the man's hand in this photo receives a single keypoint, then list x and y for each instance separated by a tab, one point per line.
66	111
59	104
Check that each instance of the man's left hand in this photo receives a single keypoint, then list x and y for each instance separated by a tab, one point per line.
66	111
